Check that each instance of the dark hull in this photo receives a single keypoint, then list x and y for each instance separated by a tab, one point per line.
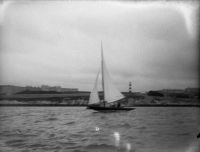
97	108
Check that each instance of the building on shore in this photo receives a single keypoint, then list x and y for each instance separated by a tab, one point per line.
192	90
57	89
30	88
10	89
185	93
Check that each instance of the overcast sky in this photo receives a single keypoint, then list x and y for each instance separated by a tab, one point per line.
151	44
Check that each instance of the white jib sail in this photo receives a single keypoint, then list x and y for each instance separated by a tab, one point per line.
111	93
94	96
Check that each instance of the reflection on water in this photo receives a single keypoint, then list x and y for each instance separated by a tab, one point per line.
117	138
75	129
97	128
126	146
194	147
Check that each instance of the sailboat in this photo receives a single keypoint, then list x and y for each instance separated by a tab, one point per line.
111	95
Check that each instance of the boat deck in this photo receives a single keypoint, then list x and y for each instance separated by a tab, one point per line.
97	108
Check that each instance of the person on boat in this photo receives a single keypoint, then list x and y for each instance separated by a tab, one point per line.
103	104
118	105
198	136
112	105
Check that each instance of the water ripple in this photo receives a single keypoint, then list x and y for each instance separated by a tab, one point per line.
75	129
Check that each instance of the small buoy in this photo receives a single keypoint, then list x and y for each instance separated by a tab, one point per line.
128	147
117	138
97	129
18	132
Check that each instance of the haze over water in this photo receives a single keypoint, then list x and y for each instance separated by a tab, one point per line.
75	129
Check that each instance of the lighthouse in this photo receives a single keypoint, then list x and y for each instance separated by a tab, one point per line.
130	87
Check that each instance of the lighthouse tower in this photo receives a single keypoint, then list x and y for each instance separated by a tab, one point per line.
130	87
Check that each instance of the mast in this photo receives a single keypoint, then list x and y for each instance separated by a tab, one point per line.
110	92
102	70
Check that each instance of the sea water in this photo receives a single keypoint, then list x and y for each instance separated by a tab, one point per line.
77	129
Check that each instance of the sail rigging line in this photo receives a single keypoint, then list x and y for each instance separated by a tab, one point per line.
110	93
102	71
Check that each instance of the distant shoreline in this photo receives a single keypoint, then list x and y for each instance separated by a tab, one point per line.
80	99
66	105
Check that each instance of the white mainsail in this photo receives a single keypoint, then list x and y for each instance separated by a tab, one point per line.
111	93
94	97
